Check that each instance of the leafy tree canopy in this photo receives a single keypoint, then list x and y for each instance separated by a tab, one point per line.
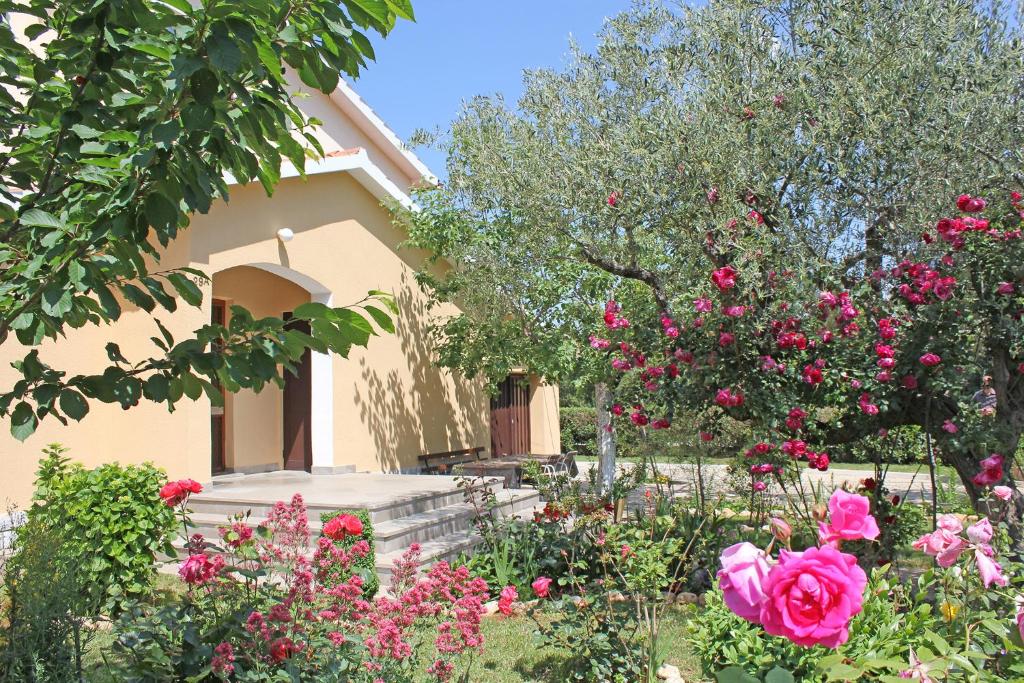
118	120
842	125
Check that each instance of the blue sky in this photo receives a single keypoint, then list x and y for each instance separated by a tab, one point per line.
461	48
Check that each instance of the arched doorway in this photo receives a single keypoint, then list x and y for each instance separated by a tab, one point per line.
277	428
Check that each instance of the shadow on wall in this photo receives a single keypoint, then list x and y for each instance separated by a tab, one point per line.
421	409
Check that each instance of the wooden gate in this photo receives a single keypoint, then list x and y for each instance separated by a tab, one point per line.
510	418
298	403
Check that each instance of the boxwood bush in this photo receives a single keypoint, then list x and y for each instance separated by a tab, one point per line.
366	567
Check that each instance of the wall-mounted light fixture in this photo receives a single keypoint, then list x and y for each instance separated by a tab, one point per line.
285	234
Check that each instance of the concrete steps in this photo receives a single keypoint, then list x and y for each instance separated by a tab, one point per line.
440	521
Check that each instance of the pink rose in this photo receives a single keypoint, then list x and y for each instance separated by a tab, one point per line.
990	570
969	204
1002	492
343	526
980	532
950	427
744	570
945	546
850	517
930	359
1005	288
703	305
811	596
541	586
950	523
509	595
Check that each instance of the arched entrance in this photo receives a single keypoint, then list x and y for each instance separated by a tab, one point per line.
290	427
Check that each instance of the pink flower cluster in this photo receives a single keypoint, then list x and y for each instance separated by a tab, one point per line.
946	545
991	471
808	597
612	319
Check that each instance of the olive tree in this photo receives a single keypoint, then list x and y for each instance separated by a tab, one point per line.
821	135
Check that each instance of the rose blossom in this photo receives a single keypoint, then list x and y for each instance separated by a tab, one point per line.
810	597
744	570
930	359
1020	616
541	586
969	204
849	518
342	526
980	531
724	278
944	545
174	492
509	595
703	305
1002	492
990	570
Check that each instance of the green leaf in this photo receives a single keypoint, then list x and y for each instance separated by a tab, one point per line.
224	53
73	404
204	86
160	211
312	310
188	289
402	8
38	218
56	301
23	421
779	675
381	318
734	674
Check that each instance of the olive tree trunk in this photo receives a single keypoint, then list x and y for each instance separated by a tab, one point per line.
605	437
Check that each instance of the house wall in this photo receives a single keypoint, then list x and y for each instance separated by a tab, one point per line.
390	402
545	429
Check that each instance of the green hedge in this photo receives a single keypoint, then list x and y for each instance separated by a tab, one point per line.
366	566
111	524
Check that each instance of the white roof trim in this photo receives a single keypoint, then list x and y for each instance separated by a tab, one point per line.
345	95
358	164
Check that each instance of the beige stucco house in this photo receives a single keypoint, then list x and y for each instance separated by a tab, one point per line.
375	411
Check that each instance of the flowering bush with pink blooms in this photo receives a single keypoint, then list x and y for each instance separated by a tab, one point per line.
822	358
958	623
266	604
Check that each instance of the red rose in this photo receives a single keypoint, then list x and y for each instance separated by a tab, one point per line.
343	526
724	278
175	492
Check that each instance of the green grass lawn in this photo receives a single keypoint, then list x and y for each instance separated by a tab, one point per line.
512	654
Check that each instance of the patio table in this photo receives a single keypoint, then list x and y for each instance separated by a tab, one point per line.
509	467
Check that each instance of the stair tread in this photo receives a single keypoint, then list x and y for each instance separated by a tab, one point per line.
433	548
396	527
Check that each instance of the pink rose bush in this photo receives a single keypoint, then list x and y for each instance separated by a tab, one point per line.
808	597
946	545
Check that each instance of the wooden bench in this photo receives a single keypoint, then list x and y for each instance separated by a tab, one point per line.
439	463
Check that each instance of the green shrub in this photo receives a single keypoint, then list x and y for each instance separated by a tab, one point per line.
42	624
365	566
110	523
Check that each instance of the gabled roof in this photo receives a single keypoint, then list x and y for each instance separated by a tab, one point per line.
374	127
355	162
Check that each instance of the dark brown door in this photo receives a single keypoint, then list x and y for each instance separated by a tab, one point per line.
510	418
298	443
218	316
